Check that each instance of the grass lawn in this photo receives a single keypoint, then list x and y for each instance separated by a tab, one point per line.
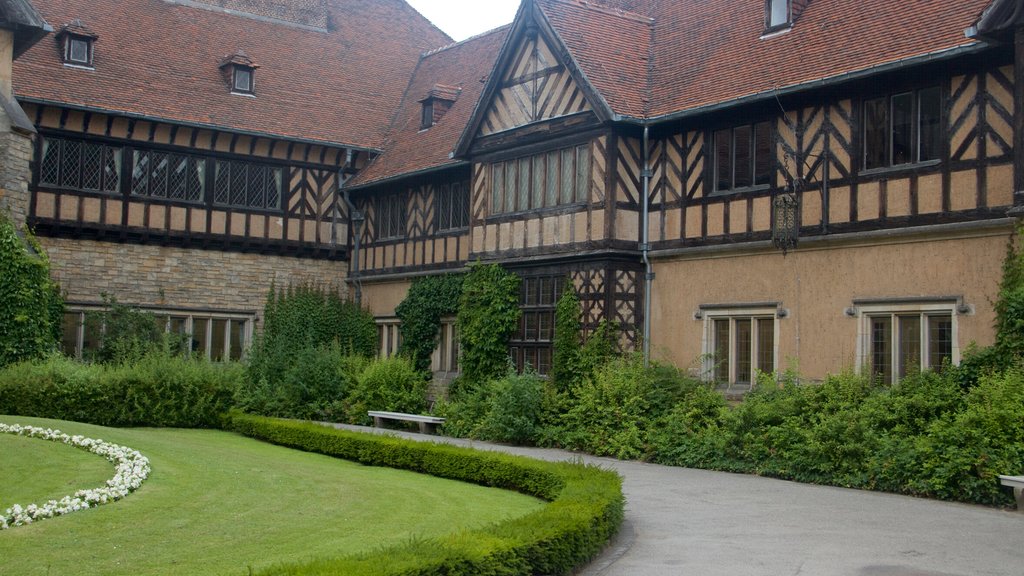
218	503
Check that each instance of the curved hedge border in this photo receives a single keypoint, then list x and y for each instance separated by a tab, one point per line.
585	509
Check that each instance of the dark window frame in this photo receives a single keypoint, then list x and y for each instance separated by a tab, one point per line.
760	176
390	212
922	146
250	86
68	53
427	114
769	13
61	165
533	342
451	206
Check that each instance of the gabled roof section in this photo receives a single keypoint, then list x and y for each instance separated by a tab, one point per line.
28	25
534	79
611	48
1001	15
160	60
457	72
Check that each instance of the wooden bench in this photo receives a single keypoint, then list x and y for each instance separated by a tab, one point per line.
428	424
1017	483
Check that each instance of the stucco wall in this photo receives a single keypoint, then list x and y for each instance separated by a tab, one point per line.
176	277
383	297
817	285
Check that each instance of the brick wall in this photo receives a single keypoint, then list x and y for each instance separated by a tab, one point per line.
15	173
176	277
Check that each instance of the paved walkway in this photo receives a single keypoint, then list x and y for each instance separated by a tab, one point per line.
687	522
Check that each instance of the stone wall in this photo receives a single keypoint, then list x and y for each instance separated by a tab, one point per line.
173	277
15	173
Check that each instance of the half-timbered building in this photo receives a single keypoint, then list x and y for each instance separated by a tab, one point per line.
190	152
740	186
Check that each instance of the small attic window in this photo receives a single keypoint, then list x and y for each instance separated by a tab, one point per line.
777	13
76	44
438	101
427	115
240	72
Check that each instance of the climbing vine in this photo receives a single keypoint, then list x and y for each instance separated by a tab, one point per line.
31	306
488	315
568	341
429	299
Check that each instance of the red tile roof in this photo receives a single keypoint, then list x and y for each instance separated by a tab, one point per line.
611	47
160	59
409	149
706	52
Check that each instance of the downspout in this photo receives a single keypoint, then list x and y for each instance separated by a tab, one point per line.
355	219
645	246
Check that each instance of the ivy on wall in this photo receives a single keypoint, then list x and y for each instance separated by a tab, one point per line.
568	340
429	299
31	306
488	315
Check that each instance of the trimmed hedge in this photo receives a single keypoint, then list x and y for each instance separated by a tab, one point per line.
585	510
156	391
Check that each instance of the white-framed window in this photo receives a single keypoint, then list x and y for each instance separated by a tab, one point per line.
216	336
446	356
740	341
897	338
242	79
389	337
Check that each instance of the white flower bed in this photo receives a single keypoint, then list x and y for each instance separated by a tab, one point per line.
132	469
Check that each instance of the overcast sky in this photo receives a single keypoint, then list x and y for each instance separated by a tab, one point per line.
464	18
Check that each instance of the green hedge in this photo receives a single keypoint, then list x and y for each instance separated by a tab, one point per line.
585	509
156	391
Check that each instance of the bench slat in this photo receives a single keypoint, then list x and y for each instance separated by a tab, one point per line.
406	417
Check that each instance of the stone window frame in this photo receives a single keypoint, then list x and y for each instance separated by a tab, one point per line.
389	336
234	346
725	367
925	310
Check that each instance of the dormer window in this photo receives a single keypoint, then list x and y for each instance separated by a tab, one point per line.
777	14
76	44
438	101
240	72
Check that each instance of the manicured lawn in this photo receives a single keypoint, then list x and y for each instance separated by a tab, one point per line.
218	503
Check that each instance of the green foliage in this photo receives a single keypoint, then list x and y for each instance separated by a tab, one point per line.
30	302
305	362
488	315
513	409
126	334
429	299
390	385
158	390
585	509
567	342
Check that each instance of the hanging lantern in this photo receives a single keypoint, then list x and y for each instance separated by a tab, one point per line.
785	228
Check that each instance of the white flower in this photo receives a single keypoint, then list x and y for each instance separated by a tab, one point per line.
131	469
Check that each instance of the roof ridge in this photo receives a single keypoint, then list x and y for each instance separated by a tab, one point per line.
460	42
597	7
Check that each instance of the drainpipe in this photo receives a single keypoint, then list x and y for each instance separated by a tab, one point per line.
645	246
356	225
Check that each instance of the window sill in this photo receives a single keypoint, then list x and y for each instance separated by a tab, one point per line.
899	168
739	191
79	66
246	94
776	31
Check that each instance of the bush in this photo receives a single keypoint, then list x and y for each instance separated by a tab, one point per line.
488	315
304	363
127	334
429	299
315	386
513	410
585	510
156	391
30	303
390	385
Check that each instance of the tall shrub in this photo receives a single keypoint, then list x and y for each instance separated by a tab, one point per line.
488	315
30	302
429	299
127	334
300	324
568	341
